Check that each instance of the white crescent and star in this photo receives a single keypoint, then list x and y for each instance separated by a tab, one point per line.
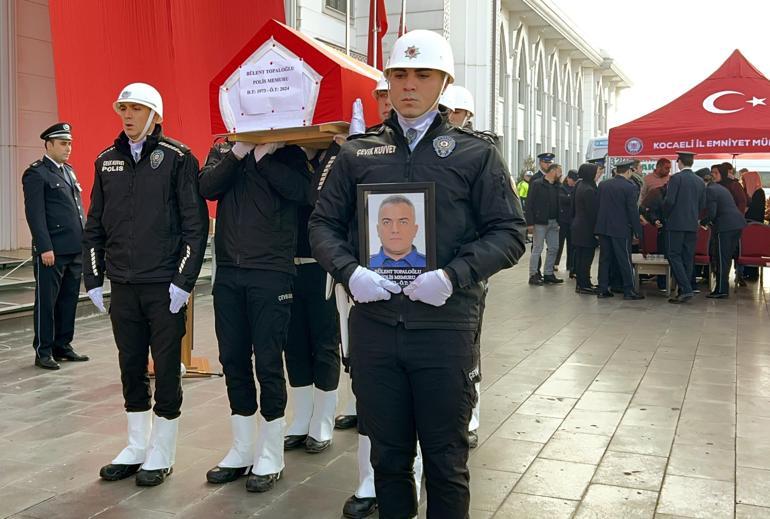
709	102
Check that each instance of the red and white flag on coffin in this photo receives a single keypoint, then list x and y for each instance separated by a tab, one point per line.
378	27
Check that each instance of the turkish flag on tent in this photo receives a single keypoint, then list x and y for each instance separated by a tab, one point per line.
727	113
378	27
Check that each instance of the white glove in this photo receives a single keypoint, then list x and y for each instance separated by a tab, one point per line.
433	288
266	149
241	149
97	298
368	286
357	123
178	298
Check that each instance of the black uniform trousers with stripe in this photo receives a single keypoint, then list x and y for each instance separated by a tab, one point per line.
725	243
617	250
56	299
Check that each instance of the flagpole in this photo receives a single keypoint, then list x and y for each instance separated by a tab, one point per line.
376	30
403	17
347	27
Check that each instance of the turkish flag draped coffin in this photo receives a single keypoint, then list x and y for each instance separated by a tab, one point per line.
284	86
727	113
175	45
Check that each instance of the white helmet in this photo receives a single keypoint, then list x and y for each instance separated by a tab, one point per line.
382	85
448	98
422	49
141	94
463	99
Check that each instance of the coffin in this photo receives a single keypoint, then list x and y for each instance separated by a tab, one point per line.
284	86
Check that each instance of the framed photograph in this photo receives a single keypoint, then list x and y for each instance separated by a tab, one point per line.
397	229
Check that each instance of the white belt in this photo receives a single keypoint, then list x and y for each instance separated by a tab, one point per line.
304	261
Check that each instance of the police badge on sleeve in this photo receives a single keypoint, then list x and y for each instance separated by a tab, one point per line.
444	145
156	157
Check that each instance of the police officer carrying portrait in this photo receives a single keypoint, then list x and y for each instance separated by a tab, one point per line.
414	359
258	190
146	231
617	223
685	198
55	217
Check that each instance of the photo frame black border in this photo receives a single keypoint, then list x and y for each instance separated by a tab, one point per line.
428	189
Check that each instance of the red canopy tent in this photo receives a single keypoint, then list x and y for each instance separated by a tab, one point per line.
727	113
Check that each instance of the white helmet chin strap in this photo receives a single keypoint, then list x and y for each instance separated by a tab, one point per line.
431	107
146	127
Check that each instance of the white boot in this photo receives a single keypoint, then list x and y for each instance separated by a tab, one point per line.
139	426
418	472
268	455
162	452
322	423
303	410
365	471
241	454
475	416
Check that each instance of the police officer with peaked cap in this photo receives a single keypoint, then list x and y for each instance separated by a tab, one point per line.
617	223
414	359
54	213
146	231
685	198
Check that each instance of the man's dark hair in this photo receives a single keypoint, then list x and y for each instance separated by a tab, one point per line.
686	160
552	167
724	169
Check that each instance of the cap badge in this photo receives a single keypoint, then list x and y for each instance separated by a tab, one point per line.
124	94
411	52
66	127
156	157
444	145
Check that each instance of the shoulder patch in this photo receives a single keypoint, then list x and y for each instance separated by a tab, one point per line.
105	151
36	163
180	145
179	151
484	135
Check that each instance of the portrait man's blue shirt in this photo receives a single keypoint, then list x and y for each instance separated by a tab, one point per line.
413	259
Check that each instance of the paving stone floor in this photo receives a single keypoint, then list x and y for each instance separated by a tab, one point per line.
590	409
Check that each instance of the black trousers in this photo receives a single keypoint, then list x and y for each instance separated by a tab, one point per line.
565	237
584	257
726	242
680	250
412	383
142	324
56	300
312	349
617	250
251	318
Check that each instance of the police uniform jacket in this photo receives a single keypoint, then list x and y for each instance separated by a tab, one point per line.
723	215
53	207
618	214
585	209
257	206
542	202
685	198
479	223
147	223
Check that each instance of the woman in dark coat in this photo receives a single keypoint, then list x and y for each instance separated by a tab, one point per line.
586	208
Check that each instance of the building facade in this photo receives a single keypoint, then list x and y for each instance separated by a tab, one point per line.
537	82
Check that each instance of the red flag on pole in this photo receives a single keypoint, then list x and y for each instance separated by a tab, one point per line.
378	26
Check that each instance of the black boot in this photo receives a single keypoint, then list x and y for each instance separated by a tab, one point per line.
359	507
263	483
117	471
46	363
219	475
345	421
313	446
152	478
534	279
550	279
294	441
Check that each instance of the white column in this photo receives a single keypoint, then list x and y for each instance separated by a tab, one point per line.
9	185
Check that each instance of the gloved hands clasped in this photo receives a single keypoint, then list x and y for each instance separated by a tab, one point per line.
432	288
367	286
178	298
97	298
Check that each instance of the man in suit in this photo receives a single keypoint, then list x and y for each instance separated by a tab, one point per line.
616	224
55	216
727	224
685	198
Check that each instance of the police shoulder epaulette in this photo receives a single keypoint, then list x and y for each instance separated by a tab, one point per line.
484	135
105	151
36	163
179	149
